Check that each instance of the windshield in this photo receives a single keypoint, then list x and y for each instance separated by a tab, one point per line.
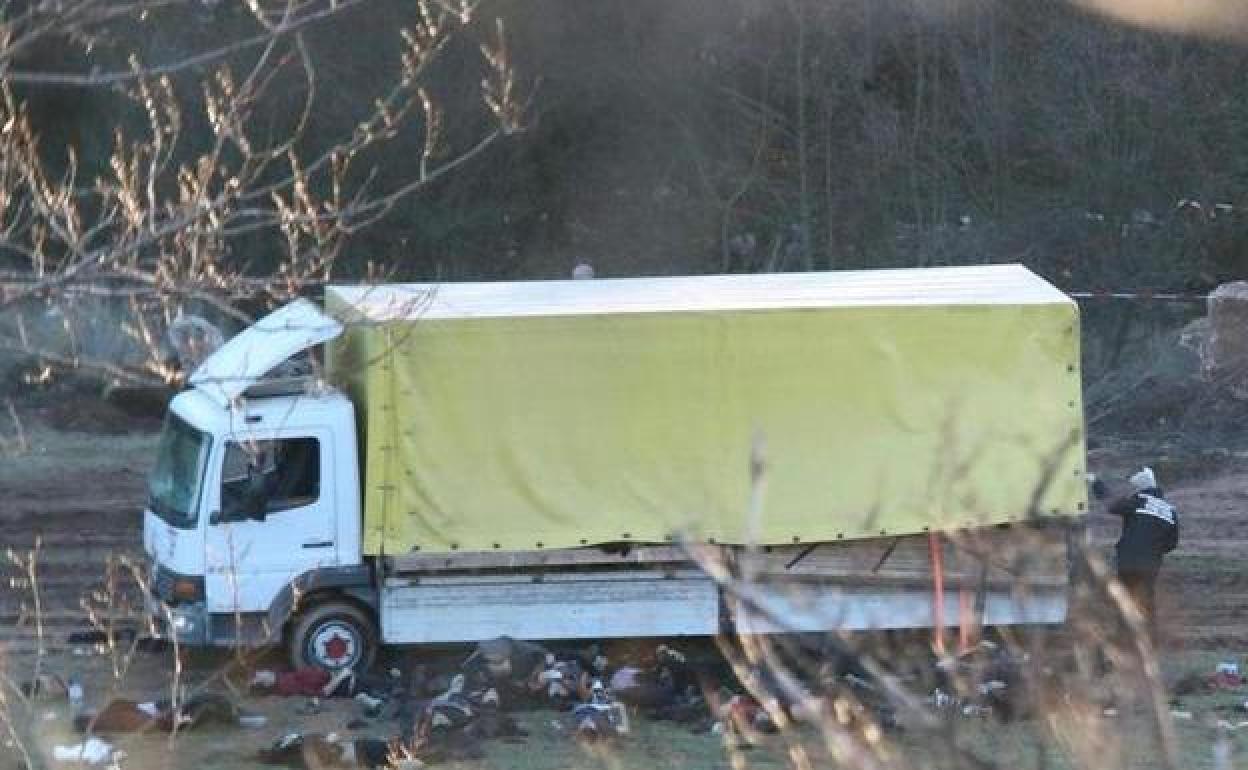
173	488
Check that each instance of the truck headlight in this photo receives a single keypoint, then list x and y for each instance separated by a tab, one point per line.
188	589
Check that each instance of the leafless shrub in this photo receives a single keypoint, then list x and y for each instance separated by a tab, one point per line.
16	714
159	231
920	686
115	612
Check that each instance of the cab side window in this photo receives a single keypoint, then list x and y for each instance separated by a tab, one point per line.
263	477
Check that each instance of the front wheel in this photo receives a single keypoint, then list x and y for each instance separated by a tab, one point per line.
333	636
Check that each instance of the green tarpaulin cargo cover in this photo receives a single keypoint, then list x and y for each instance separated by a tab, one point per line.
549	414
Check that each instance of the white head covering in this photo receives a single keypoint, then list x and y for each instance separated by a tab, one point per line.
1143	479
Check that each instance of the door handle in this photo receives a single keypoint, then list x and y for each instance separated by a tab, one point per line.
320	544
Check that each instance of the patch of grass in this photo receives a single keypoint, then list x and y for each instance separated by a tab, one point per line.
665	746
1018	745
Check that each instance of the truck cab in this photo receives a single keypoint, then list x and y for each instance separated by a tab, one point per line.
255	487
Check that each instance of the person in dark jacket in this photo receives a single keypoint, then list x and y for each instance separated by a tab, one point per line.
1150	530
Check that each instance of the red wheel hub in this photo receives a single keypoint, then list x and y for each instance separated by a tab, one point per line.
337	647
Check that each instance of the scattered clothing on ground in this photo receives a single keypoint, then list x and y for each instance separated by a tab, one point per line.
321	751
126	716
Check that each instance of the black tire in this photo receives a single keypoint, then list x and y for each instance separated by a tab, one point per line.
332	636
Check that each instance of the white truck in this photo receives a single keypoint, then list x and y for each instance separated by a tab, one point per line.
543	459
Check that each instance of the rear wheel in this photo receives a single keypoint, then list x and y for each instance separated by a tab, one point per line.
332	636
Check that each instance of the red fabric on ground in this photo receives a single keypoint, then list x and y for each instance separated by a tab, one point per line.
301	681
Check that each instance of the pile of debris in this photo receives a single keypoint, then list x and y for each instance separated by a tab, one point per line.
988	680
427	714
449	715
1221	338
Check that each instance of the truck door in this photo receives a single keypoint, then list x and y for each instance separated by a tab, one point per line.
273	518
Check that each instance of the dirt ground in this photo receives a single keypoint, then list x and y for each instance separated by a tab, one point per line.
79	496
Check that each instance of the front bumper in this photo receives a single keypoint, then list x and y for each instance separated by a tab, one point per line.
174	619
186	623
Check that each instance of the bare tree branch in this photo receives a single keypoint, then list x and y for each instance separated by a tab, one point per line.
96	79
159	232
